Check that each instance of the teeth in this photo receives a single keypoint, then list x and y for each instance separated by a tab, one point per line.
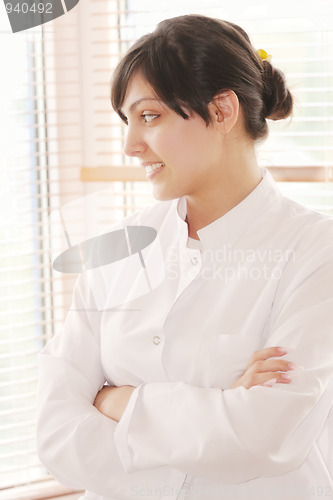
152	168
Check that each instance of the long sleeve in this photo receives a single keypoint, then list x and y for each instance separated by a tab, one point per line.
236	435
75	441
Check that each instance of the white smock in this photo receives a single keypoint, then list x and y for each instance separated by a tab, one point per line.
180	324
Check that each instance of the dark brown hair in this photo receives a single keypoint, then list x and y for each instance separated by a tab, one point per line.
190	59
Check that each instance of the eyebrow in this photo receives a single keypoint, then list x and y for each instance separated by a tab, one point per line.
139	101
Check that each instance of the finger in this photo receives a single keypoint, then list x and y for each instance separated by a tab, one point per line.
270	382
268	352
273	365
276	378
268	379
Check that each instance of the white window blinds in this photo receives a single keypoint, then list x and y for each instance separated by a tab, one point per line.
56	125
39	167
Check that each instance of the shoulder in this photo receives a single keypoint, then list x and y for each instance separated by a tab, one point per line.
285	222
293	222
114	257
302	235
306	226
308	237
307	271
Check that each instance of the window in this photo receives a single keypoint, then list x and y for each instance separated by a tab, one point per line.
57	129
31	297
26	297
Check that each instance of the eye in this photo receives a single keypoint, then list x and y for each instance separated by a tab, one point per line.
148	117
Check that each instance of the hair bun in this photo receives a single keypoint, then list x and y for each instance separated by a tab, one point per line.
277	98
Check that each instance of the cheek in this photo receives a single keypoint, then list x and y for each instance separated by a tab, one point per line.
185	144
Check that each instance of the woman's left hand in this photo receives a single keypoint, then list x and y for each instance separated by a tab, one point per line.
265	369
112	401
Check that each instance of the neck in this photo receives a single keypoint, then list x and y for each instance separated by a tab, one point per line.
228	190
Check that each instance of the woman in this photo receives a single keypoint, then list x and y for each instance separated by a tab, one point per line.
200	401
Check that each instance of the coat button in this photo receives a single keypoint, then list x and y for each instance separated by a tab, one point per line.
194	261
156	340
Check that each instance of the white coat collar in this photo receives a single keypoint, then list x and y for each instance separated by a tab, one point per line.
231	225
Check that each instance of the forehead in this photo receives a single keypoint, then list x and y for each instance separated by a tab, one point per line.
137	92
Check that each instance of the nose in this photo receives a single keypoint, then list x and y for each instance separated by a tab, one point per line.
134	144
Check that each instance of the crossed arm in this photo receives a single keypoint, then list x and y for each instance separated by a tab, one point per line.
264	368
80	441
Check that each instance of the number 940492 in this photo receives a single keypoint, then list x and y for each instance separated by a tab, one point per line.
39	8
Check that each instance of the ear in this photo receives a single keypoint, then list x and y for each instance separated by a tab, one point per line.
225	110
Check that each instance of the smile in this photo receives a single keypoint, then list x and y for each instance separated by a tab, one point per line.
151	169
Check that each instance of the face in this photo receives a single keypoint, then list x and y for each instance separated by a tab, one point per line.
181	157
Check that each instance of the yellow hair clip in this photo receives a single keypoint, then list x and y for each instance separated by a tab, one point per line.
264	56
